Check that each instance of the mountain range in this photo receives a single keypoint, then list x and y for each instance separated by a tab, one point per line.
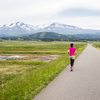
22	29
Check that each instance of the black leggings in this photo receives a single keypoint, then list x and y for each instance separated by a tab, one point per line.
72	62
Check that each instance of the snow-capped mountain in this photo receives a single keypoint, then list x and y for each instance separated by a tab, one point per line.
17	26
20	28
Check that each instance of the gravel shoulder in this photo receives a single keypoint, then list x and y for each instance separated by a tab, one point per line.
81	84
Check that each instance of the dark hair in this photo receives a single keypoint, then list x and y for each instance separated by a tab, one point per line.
71	44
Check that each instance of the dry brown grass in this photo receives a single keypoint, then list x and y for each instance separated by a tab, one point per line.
3	69
14	69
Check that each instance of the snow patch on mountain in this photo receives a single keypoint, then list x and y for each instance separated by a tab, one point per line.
38	27
20	28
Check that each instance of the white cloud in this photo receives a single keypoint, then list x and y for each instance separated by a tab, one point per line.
88	4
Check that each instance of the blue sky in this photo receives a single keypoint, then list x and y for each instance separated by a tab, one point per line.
81	13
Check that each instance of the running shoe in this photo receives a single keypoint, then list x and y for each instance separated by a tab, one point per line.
71	70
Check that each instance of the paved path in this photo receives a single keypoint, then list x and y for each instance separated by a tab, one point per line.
81	84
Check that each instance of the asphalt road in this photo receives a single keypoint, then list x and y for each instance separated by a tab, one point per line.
81	84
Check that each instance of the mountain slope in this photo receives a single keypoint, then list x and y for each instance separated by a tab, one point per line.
49	35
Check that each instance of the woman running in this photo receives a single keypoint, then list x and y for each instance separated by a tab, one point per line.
71	52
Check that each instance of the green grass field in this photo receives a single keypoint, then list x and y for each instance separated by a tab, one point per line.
96	44
22	80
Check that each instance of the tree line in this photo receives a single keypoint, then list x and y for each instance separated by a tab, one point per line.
44	39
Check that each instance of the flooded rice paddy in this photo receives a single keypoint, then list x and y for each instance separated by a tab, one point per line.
45	58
